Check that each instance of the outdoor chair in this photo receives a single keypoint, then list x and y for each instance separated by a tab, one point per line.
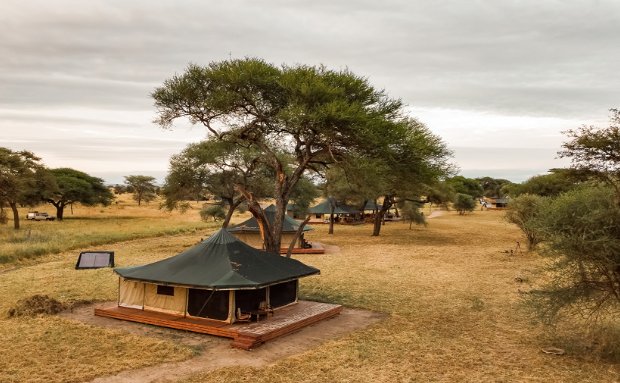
241	317
263	307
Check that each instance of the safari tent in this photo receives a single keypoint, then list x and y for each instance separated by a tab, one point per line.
249	232
496	203
216	279
342	213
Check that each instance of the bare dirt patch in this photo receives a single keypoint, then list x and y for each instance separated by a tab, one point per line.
215	353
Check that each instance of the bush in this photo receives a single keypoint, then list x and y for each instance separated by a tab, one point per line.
411	213
581	231
215	212
523	211
464	203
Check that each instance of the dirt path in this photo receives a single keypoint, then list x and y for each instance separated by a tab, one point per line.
217	352
435	213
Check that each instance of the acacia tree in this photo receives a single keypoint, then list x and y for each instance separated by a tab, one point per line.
143	188
73	186
312	115
596	151
21	174
415	163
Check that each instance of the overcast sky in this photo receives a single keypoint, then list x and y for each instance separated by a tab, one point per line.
497	80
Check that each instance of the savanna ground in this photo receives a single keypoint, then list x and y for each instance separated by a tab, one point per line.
450	294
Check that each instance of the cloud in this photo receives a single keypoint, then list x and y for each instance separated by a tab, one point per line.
553	63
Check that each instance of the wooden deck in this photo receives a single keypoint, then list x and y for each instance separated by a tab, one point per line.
244	335
317	248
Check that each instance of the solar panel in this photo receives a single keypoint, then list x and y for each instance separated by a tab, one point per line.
95	259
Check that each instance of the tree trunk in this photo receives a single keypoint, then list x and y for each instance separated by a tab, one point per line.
232	205
298	233
331	221
263	224
387	203
13	206
60	210
276	229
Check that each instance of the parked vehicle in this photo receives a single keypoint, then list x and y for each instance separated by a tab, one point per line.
36	216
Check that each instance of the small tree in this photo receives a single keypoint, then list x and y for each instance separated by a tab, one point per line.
410	211
464	203
523	211
143	188
215	212
581	230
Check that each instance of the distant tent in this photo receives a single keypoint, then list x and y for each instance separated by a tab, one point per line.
321	212
212	280
95	260
372	206
249	232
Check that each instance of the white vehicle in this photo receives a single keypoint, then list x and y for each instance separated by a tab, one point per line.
36	216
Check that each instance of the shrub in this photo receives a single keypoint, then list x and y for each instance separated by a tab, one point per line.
464	203
581	231
215	212
523	211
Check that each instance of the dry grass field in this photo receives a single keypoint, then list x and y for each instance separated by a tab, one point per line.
91	226
453	306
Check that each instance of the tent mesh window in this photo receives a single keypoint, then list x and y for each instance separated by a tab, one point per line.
283	293
249	300
208	304
165	290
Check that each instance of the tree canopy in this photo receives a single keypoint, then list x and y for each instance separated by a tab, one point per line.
21	176
214	168
596	151
312	115
464	185
73	186
464	203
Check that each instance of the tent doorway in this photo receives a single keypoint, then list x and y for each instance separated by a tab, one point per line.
208	303
249	300
283	293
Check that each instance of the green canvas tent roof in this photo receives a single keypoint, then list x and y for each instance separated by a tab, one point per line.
220	262
325	208
372	205
289	225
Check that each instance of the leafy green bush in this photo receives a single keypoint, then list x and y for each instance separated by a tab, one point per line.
215	212
581	230
523	211
464	203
